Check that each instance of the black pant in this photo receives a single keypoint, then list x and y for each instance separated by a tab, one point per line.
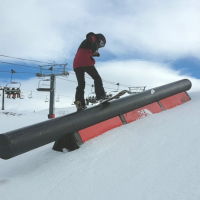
98	85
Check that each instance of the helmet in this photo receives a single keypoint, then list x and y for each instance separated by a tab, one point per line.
102	40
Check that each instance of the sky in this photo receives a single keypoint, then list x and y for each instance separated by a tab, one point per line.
149	43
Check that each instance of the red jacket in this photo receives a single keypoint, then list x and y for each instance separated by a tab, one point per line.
85	52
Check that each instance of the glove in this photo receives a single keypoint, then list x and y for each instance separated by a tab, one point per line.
96	54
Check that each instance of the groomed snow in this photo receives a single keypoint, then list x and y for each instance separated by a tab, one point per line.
154	158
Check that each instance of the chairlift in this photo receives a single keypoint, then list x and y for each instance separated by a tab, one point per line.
30	96
58	99
44	86
114	90
72	102
13	93
136	89
1	89
91	98
13	88
46	100
86	101
117	87
8	92
22	96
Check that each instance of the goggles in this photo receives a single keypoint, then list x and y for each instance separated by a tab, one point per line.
101	43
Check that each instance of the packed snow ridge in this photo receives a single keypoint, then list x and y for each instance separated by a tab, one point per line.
154	158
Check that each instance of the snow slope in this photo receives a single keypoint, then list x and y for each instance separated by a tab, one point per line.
155	158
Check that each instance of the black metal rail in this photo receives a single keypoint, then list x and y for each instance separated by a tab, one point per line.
22	140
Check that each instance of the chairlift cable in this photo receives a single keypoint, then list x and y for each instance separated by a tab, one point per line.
123	85
39	93
18	106
19	65
109	82
25	59
18	72
103	80
85	84
57	78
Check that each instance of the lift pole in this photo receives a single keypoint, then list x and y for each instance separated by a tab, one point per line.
3	100
52	97
2	97
51	71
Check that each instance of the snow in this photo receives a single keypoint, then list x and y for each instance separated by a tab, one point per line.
154	158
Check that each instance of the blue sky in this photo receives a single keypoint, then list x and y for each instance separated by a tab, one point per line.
189	66
156	42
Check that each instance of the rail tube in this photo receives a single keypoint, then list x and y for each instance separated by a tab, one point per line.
22	140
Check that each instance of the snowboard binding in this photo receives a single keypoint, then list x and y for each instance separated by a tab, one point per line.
79	106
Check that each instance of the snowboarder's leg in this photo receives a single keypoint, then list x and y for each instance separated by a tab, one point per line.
79	97
99	90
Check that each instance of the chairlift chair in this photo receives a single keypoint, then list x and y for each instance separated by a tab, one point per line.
87	101
46	100
58	99
73	102
22	96
18	93
42	83
8	92
117	87
30	96
114	91
91	99
136	89
13	93
1	89
94	99
11	89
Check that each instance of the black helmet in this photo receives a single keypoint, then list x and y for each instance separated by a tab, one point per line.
102	39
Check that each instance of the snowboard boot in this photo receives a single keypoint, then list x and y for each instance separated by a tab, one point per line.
103	97
79	107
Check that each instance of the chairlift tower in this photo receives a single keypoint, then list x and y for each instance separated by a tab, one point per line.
2	88
48	74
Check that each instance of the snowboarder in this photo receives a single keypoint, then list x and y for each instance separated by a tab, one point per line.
84	62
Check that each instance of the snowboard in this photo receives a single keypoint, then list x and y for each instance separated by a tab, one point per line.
118	95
